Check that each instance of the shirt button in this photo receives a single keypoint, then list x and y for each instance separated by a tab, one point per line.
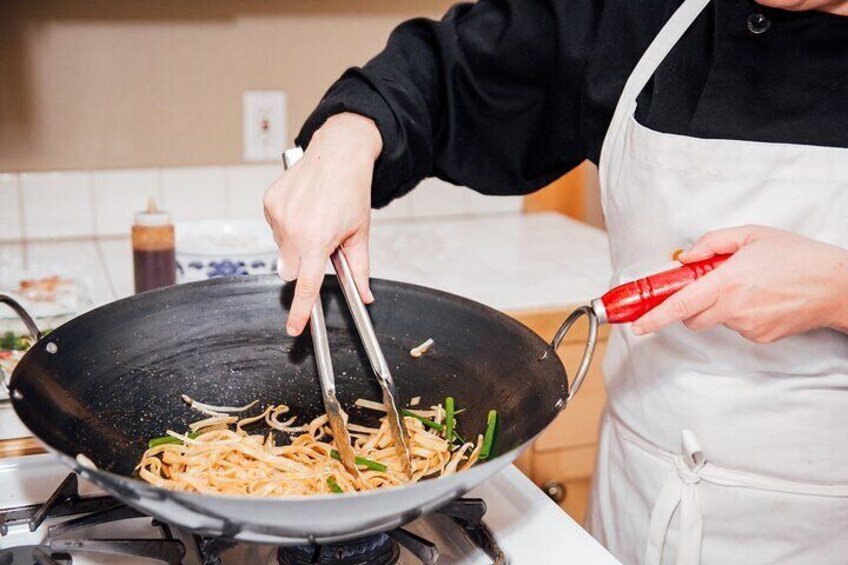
758	24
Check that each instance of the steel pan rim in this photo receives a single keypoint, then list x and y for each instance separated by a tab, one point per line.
262	281
258	532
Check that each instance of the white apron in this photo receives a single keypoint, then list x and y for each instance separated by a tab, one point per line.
714	449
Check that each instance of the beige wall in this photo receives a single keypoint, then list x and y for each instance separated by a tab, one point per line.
104	83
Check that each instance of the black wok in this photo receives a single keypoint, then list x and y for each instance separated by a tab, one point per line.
98	387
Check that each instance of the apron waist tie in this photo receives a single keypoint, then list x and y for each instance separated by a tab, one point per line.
680	490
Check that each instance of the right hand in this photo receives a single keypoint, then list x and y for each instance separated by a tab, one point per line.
322	202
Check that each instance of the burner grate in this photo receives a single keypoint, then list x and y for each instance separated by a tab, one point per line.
379	549
33	554
65	501
91	511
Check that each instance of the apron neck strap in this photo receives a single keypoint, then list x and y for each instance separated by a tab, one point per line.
657	51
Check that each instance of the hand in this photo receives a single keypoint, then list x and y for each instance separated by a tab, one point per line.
776	284
322	202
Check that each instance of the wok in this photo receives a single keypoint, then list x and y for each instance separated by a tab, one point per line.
98	387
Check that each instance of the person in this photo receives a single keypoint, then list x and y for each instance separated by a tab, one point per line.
720	127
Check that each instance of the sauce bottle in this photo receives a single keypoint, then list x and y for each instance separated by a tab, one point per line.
154	261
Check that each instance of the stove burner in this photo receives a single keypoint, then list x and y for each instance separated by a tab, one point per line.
379	549
91	511
33	555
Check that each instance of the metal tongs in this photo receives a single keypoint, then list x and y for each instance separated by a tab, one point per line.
378	362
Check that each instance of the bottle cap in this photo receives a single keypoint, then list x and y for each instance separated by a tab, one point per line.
153	216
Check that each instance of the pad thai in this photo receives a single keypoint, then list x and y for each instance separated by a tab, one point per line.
225	453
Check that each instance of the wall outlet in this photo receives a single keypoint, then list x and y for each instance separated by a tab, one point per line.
264	125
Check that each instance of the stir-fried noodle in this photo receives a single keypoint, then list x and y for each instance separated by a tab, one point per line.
221	455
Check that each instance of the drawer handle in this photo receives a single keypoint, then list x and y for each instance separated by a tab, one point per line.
555	490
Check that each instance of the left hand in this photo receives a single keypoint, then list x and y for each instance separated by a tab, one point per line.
776	284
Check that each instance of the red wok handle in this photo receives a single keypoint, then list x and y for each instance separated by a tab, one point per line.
627	303
630	301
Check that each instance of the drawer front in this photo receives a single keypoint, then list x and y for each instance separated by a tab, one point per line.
567	475
564	464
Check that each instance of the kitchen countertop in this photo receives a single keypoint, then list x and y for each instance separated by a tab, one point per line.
513	262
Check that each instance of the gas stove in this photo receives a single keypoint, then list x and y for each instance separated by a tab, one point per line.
48	516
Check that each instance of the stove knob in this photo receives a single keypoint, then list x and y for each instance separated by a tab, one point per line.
555	490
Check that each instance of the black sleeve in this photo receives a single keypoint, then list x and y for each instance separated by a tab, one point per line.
489	97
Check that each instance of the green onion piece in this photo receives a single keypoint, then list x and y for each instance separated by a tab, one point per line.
426	421
157	441
489	437
431	424
449	417
334	486
362	462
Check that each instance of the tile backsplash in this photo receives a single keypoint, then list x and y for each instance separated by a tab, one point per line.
56	205
10	204
74	204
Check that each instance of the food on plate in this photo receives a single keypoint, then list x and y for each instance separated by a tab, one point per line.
44	294
12	349
8	361
221	454
10	341
43	289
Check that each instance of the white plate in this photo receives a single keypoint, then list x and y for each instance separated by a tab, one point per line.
71	297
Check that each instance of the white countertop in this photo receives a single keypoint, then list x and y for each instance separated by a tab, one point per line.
532	529
509	261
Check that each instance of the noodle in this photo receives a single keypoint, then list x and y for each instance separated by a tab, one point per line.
220	456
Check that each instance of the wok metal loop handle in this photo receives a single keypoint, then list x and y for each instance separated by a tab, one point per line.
588	351
30	324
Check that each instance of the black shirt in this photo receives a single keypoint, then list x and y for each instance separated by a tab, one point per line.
505	96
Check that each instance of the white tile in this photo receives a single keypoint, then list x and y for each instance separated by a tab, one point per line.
11	227
11	257
195	193
568	291
398	209
116	256
119	194
435	197
505	297
461	271
481	204
399	271
246	185
57	204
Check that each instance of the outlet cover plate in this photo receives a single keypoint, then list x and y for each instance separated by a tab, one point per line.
265	124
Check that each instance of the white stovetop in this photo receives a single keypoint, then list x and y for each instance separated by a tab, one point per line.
527	526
